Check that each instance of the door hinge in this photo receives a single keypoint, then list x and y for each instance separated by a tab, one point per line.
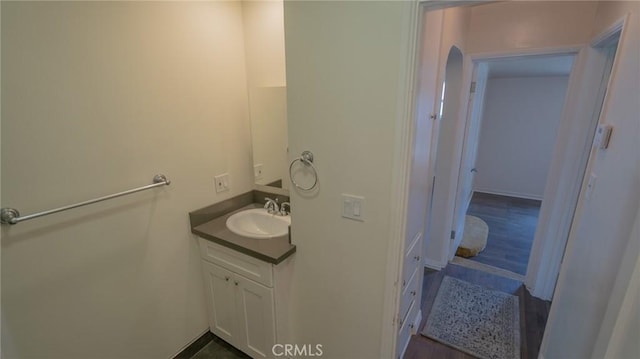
453	235
473	87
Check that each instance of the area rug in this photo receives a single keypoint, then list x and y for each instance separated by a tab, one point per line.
474	238
478	321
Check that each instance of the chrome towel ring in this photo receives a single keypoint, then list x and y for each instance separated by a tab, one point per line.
307	159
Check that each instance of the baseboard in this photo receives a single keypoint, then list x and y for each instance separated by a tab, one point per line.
433	264
416	323
195	345
468	263
509	194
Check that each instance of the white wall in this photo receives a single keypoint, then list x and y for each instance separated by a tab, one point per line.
617	336
518	133
263	25
344	65
603	225
98	98
529	24
265	59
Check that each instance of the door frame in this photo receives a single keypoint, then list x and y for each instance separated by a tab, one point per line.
586	98
470	64
568	182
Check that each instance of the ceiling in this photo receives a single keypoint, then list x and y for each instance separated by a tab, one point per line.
531	66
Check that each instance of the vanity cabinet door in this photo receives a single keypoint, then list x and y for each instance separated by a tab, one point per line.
221	302
255	307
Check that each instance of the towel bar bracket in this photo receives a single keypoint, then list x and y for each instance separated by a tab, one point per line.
9	215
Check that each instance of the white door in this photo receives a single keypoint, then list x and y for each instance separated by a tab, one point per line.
255	308
468	168
221	302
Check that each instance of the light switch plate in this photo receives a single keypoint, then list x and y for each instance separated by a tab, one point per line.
353	207
222	182
602	136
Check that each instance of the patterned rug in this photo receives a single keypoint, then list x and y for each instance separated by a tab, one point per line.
478	321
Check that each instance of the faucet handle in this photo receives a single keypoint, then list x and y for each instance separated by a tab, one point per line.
271	205
284	212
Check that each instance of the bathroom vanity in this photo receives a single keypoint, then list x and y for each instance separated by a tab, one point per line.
247	280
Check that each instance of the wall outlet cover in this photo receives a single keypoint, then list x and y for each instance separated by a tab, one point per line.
257	171
222	182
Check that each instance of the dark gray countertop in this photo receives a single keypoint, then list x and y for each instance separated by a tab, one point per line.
273	250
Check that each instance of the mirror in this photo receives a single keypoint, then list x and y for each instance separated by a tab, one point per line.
265	60
268	111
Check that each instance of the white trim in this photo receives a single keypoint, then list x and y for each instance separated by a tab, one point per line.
556	223
416	321
599	40
603	38
468	263
400	182
533	51
556	214
433	264
509	194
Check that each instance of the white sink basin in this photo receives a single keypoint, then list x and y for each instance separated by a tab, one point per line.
258	223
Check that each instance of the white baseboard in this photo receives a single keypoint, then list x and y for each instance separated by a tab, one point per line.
433	264
509	194
416	323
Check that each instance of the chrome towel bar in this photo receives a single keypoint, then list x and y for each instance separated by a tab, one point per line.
12	216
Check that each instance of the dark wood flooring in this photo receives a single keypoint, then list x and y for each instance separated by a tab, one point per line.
512	227
533	313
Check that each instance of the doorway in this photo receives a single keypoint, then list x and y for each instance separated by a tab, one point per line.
571	152
515	110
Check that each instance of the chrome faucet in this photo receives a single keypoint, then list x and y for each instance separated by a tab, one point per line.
271	206
284	212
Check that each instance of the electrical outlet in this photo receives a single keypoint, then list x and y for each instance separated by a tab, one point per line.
222	182
257	171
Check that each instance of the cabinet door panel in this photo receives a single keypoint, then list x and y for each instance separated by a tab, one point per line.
221	302
257	323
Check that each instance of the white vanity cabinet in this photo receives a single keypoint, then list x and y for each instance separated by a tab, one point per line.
246	299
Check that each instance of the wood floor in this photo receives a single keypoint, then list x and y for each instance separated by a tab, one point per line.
533	313
512	226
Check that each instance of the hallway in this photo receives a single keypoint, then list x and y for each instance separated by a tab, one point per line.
533	313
